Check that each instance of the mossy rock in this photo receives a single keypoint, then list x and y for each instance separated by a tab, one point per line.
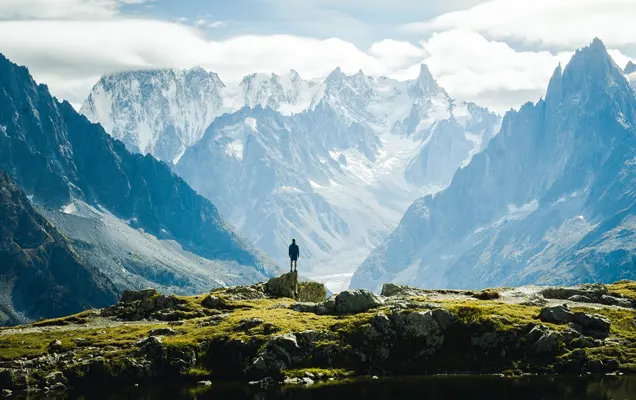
311	292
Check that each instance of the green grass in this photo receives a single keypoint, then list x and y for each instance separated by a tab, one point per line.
624	288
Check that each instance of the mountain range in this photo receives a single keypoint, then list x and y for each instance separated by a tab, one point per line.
101	211
550	200
333	163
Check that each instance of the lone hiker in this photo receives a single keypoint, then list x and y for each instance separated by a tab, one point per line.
294	253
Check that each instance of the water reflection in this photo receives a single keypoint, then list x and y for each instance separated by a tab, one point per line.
429	388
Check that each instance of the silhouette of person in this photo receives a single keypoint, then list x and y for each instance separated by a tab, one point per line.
294	253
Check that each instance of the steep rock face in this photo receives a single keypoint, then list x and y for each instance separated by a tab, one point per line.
160	112
42	275
287	93
551	200
630	71
68	164
338	176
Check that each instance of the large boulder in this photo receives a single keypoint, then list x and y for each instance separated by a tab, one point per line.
356	301
393	290
594	292
137	295
280	353
311	292
283	286
589	324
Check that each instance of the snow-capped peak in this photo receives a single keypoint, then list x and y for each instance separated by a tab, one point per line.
425	85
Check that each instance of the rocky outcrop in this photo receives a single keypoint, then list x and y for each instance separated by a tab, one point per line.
137	305
588	293
592	325
288	285
285	285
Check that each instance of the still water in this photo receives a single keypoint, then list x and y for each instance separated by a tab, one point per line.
428	388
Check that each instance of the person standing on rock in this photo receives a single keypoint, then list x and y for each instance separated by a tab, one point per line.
294	253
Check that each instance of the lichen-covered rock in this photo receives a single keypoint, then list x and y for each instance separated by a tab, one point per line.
137	295
393	290
594	292
211	301
55	346
249	323
592	325
311	292
285	285
278	354
556	314
55	377
356	301
162	332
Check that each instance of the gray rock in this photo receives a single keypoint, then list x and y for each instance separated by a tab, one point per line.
211	301
548	341
356	301
556	314
392	290
592	291
580	298
265	383
444	318
285	285
204	383
137	295
617	301
304	307
280	353
54	377
81	342
6	393
58	387
162	332
55	346
249	323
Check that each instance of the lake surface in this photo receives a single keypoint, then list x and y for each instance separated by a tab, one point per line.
585	387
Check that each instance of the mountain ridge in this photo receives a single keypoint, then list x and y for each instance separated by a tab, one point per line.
536	188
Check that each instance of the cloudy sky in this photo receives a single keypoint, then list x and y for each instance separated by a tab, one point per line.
498	53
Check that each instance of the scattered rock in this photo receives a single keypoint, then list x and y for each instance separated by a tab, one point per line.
58	387
487	294
579	298
393	290
137	295
211	301
356	301
592	325
54	377
176	323
162	332
204	383
55	346
81	342
556	314
617	301
265	383
249	323
594	292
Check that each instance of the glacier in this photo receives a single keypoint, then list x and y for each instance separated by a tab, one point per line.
339	175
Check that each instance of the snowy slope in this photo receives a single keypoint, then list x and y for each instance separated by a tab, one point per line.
339	175
550	201
158	112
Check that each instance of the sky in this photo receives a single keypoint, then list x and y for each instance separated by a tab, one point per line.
497	53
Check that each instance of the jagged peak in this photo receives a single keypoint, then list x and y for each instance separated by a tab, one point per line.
591	69
630	68
425	73
336	74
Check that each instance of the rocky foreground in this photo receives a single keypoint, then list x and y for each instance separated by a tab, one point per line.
286	332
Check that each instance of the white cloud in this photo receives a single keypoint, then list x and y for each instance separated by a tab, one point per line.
470	67
61	9
561	23
218	24
67	55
